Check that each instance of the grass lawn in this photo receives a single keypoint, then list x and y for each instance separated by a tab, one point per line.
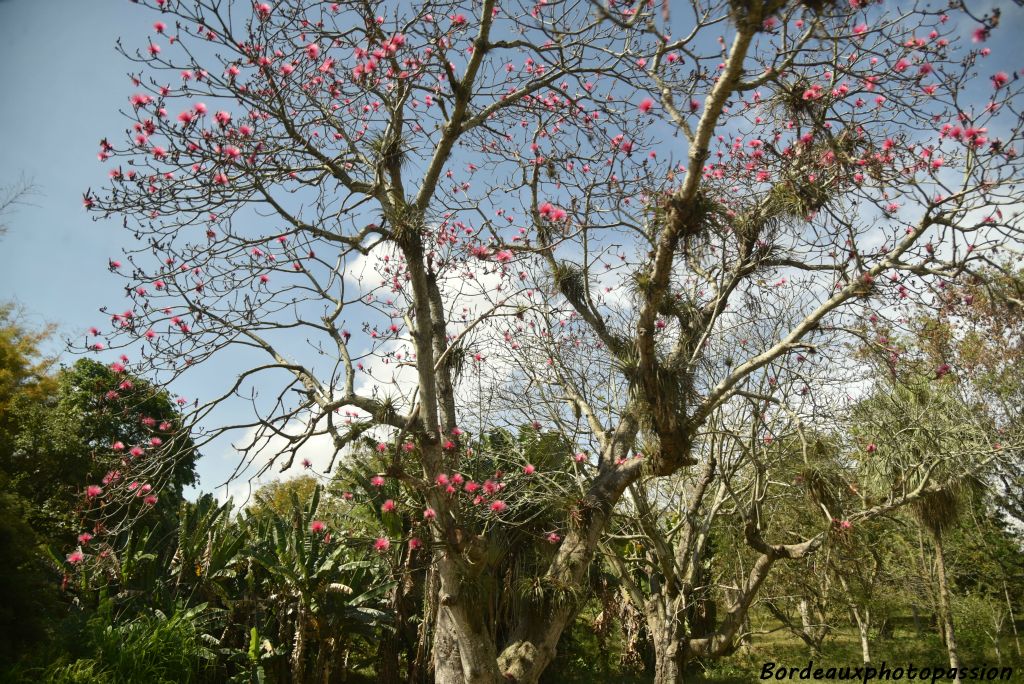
903	648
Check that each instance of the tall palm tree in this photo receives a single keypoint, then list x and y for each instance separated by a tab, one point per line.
926	447
936	511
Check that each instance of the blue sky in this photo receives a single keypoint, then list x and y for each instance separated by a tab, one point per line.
64	83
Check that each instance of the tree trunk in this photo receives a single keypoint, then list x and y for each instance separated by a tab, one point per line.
393	643
669	658
447	661
864	628
298	659
464	634
1013	620
944	607
668	636
421	666
324	660
387	658
812	622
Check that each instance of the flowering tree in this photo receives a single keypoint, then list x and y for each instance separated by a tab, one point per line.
595	206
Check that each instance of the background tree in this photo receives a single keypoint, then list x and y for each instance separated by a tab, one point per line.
978	333
13	195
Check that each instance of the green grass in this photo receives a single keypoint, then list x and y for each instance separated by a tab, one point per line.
580	661
842	648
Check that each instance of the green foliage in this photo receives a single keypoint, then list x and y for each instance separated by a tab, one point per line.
24	372
26	582
151	647
198	591
64	443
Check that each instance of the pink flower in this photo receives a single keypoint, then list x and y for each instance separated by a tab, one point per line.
154	49
263	9
429	514
381	545
388	506
84	538
646	105
528	469
872	448
377	481
223	118
307	464
317	526
92	491
159	27
75	557
136	451
150	500
845	525
1000	79
118	446
498	506
504	256
459	20
980	34
554	538
313	50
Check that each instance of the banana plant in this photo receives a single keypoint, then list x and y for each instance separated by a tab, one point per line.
208	550
327	591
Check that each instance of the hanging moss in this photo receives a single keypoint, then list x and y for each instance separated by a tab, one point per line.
695	217
391	150
936	509
569	280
